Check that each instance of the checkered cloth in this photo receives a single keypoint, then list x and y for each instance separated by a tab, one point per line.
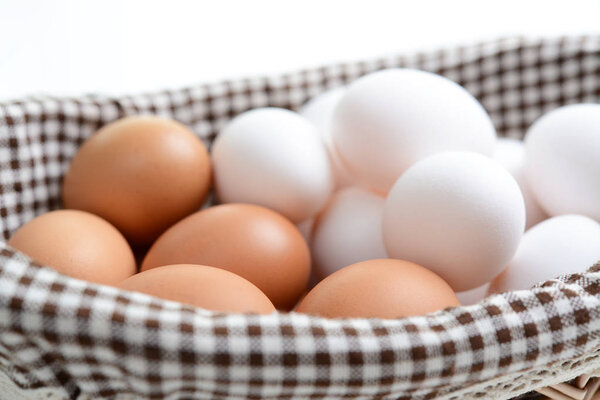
65	338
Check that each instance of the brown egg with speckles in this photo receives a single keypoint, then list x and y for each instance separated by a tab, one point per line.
201	286
251	241
78	244
381	288
142	174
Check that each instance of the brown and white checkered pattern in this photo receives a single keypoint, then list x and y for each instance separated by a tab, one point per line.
81	339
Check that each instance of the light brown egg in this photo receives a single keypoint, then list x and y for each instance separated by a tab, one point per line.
142	174
201	286
251	241
382	288
78	244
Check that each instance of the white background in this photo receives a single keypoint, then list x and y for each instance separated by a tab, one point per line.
68	47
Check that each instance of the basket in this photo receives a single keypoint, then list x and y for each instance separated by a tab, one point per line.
65	338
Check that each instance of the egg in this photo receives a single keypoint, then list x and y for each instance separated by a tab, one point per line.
274	158
319	110
77	244
382	288
251	241
562	162
556	246
142	174
348	231
510	153
201	286
459	214
473	296
306	229
388	120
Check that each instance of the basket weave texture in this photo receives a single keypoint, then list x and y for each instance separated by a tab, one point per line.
65	338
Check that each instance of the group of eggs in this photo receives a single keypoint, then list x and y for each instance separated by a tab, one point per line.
391	196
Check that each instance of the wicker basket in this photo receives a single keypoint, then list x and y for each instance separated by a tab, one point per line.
65	338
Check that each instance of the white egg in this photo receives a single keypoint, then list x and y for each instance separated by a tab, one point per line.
388	120
460	214
274	158
511	154
556	246
348	231
473	296
305	227
319	111
562	162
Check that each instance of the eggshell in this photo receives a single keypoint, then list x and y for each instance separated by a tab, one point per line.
251	241
383	288
556	246
510	153
348	231
388	120
306	229
562	162
201	286
459	214
77	244
473	296
142	174
319	110
274	158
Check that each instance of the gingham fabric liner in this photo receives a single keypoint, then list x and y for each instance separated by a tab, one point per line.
74	339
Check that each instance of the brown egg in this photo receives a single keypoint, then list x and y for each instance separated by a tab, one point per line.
251	241
142	174
382	288
78	244
201	286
